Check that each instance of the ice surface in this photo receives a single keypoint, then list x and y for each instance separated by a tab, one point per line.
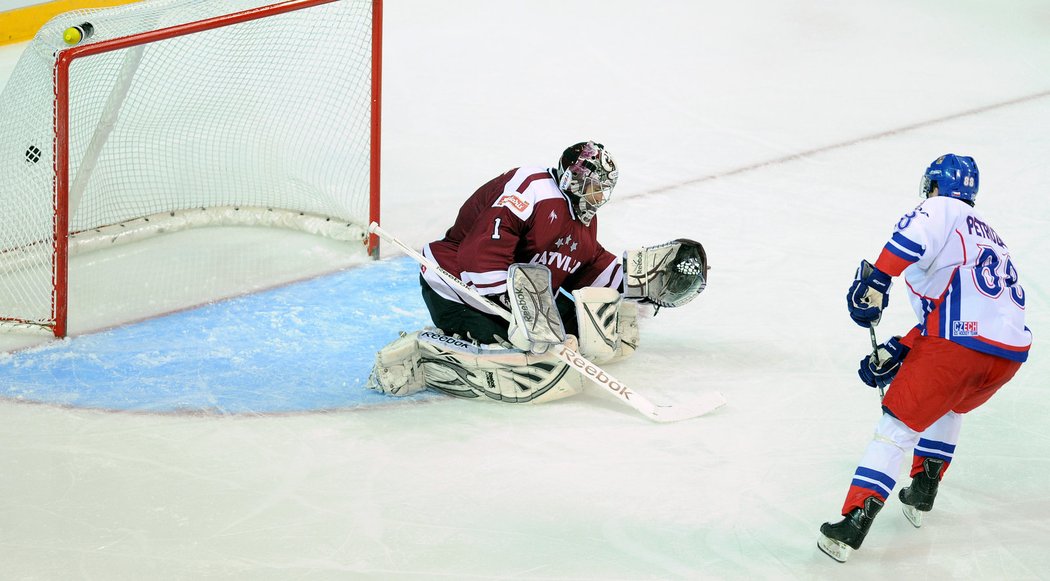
680	92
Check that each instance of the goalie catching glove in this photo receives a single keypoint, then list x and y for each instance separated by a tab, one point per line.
667	275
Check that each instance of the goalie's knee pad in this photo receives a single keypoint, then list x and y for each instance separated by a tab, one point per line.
608	325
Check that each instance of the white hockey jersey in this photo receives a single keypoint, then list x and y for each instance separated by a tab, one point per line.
961	280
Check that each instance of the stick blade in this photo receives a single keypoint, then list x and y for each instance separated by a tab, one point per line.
705	404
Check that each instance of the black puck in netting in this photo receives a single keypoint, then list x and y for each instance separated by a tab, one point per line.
32	154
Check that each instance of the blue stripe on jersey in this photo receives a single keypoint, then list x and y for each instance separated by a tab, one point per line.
907	244
904	248
976	344
954	300
950	308
900	253
927	307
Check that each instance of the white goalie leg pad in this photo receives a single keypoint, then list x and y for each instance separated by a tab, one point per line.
597	314
535	322
608	325
397	368
495	373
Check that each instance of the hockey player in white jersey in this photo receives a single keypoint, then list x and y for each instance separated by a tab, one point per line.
964	286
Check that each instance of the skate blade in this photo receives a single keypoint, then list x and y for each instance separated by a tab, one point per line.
835	549
913	515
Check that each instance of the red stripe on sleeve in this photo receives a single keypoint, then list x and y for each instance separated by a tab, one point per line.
891	264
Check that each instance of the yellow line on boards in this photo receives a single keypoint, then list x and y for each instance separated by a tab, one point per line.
22	23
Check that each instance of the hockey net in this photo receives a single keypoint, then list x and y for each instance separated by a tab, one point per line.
176	114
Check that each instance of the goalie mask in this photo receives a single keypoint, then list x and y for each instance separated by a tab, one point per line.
587	174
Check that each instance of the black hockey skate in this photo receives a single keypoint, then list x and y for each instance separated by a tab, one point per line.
839	540
918	498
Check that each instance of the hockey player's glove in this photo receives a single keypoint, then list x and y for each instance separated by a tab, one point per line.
879	368
868	295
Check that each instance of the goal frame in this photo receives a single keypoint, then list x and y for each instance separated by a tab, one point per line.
66	57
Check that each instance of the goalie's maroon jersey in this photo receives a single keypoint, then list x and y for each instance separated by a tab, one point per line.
520	216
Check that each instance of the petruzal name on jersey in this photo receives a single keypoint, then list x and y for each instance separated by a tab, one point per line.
979	228
566	263
964	328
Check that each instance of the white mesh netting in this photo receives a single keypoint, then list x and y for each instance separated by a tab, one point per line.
270	114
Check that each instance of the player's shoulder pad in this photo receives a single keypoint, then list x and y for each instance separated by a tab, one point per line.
527	187
945	205
948	210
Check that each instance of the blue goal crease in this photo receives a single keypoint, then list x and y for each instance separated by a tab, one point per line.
302	347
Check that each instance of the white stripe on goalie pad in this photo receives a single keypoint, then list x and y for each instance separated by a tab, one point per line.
425	359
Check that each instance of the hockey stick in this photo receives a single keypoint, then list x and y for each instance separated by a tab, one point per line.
656	412
875	353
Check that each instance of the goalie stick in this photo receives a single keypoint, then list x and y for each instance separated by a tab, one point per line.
656	412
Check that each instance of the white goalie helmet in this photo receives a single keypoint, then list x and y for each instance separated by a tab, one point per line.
587	174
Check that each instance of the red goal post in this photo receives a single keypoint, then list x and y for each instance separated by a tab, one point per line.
171	114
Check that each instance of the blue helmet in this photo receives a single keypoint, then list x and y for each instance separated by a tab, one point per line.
956	176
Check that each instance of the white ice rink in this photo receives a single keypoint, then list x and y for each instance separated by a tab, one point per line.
787	136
